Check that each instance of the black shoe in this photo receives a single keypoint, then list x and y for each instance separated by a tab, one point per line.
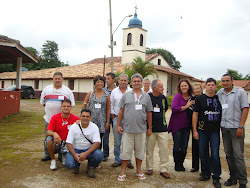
230	182
216	183
242	186
193	170
204	177
45	158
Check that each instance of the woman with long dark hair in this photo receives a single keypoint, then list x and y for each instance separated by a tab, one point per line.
179	123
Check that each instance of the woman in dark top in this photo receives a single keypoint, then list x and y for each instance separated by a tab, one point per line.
197	88
179	123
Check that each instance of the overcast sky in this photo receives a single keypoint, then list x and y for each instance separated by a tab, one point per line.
207	37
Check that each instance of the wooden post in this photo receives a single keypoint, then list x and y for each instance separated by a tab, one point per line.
18	72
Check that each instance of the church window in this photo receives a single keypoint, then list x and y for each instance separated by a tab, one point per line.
129	39
159	61
141	40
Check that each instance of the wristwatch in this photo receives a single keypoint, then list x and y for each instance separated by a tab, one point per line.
241	127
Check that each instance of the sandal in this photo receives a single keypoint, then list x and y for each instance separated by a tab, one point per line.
141	176
121	178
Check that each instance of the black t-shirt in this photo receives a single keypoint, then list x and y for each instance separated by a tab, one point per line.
190	109
209	109
158	118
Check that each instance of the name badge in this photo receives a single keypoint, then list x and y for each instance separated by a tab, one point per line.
138	107
156	109
98	105
224	106
60	97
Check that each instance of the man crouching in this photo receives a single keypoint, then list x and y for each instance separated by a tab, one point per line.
83	142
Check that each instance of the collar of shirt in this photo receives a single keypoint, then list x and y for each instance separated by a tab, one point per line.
233	90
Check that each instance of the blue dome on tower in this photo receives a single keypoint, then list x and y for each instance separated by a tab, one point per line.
135	22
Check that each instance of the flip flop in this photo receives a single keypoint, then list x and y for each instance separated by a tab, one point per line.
121	178
141	176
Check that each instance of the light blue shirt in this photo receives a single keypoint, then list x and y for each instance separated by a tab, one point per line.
232	104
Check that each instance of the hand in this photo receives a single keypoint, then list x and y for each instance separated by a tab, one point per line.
106	126
77	156
190	102
239	133
57	139
83	156
149	131
77	121
195	135
119	129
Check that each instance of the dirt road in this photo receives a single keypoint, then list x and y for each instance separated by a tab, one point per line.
32	172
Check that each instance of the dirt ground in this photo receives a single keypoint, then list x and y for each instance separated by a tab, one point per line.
32	172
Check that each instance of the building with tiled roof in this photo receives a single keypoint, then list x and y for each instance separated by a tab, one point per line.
79	78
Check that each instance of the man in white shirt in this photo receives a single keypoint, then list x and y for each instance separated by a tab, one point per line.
83	143
115	98
146	85
51	98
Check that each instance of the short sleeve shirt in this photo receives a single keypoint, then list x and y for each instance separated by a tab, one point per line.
61	125
52	98
232	105
209	113
160	106
135	120
76	138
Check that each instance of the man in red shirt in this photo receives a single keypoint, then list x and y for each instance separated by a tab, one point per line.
58	129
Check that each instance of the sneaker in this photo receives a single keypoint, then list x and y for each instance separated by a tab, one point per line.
216	183
63	160
230	182
53	165
204	177
91	172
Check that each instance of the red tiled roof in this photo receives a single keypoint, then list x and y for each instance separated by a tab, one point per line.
85	70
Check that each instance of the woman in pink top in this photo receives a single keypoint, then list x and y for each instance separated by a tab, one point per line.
179	123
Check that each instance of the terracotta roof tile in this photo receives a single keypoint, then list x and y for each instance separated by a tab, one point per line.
85	70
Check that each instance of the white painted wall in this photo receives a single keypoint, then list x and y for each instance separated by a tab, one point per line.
163	62
84	85
130	52
7	83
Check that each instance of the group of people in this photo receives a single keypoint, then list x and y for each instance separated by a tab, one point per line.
137	117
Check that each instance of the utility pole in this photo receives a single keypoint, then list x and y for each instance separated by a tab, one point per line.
111	38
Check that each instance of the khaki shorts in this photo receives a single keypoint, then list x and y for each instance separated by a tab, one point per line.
133	142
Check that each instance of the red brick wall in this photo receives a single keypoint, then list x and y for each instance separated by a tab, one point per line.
9	103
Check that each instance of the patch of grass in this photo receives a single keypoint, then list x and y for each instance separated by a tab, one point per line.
16	129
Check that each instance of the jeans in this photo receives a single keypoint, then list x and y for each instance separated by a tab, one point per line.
46	153
106	143
94	159
234	149
210	164
117	142
180	139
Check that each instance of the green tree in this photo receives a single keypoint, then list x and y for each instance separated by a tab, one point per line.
168	56
31	66
49	57
235	74
145	68
6	68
